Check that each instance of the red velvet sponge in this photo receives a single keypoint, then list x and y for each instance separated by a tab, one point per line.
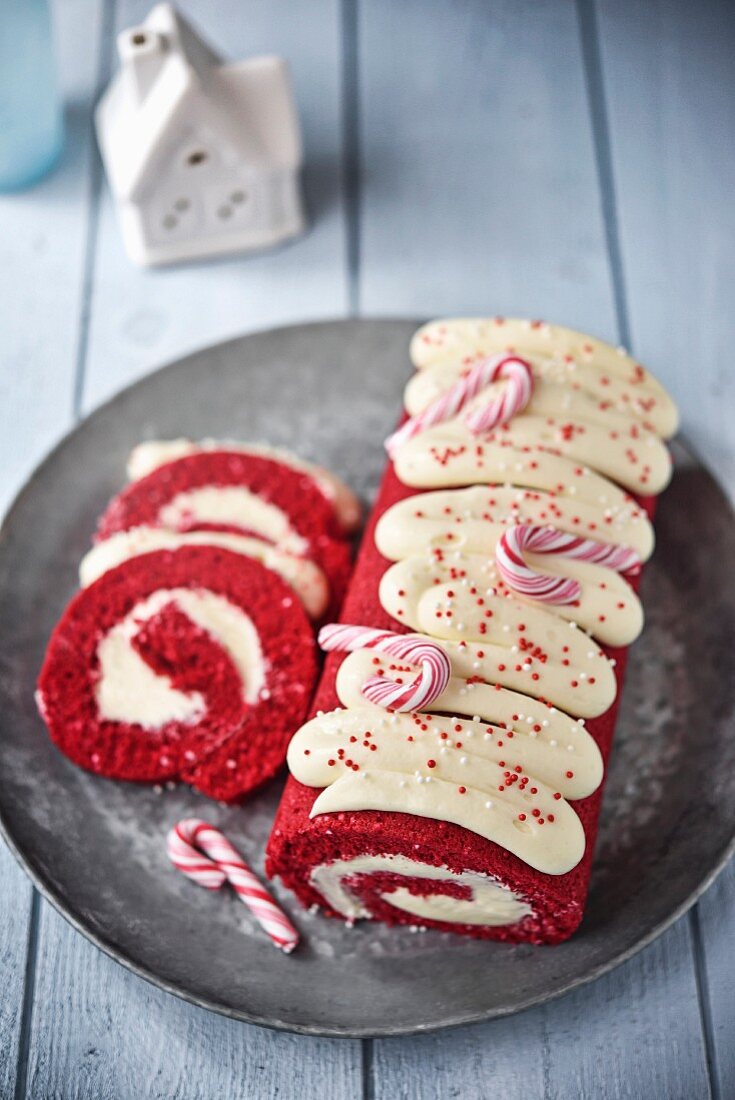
299	843
230	746
310	515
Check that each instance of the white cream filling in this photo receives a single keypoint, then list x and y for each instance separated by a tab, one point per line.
490	903
128	689
147	457
234	506
303	575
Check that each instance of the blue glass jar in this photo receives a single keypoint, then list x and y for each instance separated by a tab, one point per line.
31	127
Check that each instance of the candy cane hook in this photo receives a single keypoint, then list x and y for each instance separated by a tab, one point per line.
519	376
548	540
435	667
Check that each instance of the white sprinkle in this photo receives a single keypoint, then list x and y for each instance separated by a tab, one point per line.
553	742
463	759
488	805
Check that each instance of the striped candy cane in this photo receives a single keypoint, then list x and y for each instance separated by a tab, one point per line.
500	409
548	540
420	692
220	863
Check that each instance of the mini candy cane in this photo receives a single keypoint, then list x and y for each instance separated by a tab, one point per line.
548	540
221	863
428	685
513	399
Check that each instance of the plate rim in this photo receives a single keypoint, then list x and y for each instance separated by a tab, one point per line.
104	944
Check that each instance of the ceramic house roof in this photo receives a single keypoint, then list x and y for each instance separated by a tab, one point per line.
171	85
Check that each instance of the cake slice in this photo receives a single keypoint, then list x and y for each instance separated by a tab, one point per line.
195	664
242	494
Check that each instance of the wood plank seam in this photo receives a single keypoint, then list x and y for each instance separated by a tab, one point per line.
594	79
368	1070
29	989
705	1002
351	148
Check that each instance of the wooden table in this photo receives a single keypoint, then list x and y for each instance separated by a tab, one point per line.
511	156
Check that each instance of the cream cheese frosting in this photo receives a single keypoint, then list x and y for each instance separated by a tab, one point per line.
401	763
439	458
473	519
148	456
607	607
461	340
635	458
549	741
128	689
488	901
306	578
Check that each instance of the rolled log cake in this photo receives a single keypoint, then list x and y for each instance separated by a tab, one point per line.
507	539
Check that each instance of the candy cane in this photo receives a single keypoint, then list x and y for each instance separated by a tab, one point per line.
420	692
221	863
515	397
548	540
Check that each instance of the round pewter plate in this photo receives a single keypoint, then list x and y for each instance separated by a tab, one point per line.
95	848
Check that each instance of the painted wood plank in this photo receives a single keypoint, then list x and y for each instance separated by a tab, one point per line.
714	922
479	188
15	912
42	262
142	319
101	1032
669	89
480	172
634	1033
97	1030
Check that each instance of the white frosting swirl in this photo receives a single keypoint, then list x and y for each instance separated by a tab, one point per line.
473	519
128	689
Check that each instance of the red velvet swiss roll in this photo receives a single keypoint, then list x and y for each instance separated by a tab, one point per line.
299	843
223	742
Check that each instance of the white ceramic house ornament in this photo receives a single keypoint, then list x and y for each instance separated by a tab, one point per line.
202	157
